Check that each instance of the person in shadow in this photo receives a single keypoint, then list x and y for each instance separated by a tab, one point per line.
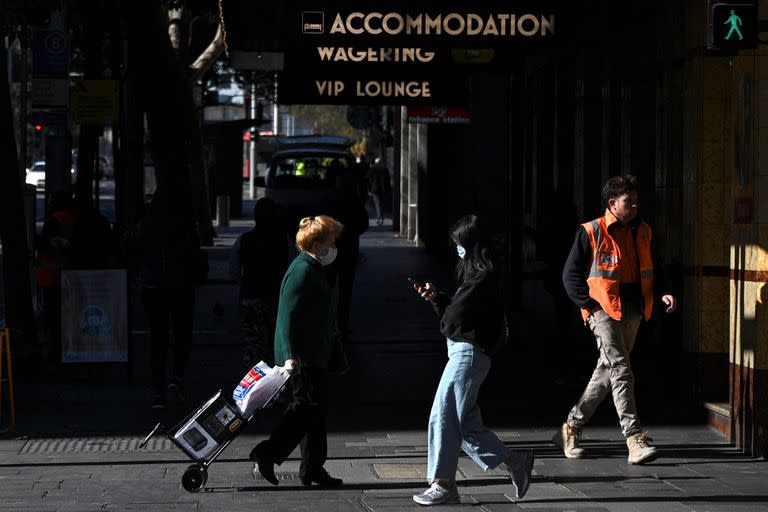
257	262
164	251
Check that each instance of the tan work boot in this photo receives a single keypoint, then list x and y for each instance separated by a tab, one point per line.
568	438
640	451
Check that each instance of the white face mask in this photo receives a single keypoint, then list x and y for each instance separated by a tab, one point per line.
329	256
461	250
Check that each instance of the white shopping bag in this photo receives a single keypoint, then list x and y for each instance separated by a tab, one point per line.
258	386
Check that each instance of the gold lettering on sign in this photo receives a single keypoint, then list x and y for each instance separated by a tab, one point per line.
474	24
329	87
392	89
452	24
347	54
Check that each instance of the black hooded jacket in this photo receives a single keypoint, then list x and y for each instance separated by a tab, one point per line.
475	312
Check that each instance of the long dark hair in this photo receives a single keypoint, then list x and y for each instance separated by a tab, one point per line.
472	233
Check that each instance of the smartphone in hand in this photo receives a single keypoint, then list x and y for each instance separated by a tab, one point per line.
415	282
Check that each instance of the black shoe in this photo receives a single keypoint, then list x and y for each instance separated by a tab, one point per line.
176	389
323	479
158	401
264	466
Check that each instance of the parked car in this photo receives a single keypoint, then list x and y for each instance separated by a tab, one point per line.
305	174
105	165
36	175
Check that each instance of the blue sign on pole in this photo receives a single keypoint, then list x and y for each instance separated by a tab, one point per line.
50	53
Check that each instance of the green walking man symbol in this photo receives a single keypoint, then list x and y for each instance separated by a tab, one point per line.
735	21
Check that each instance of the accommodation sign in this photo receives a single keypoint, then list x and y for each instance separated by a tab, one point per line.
384	56
418	39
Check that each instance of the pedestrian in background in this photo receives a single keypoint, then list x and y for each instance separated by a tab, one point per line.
305	341
379	187
349	208
164	250
611	277
472	321
258	262
54	253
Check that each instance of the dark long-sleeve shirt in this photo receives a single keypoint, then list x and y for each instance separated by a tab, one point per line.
475	312
306	318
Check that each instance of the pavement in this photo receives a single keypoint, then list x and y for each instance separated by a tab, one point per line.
75	445
382	469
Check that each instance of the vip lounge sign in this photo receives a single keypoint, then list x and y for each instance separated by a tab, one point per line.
399	53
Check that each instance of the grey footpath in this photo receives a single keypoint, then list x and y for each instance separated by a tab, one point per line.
697	471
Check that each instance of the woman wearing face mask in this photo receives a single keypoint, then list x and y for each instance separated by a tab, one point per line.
304	340
472	322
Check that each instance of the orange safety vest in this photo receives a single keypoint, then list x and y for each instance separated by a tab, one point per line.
603	279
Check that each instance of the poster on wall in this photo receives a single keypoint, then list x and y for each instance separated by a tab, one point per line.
94	316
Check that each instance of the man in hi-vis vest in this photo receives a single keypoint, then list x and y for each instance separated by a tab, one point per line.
609	274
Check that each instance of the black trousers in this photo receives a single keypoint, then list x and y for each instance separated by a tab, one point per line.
165	307
303	422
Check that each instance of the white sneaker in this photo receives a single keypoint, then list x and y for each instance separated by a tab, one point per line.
437	495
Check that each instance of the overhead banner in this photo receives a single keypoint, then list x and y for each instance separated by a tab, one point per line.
94	316
395	52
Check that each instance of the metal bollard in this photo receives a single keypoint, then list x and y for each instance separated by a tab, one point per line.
5	350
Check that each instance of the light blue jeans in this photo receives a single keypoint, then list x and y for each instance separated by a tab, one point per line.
455	420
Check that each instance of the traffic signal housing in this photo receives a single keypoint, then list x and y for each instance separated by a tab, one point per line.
732	26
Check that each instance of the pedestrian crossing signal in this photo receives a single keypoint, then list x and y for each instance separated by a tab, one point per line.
732	26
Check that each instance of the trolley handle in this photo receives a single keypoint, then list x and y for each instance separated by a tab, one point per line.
144	442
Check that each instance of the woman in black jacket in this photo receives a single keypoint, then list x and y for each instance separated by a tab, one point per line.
472	322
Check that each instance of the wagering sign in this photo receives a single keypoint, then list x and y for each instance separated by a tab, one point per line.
401	54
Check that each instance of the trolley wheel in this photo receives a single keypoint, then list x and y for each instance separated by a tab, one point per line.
194	478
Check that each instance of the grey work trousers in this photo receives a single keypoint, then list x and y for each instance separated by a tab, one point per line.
615	340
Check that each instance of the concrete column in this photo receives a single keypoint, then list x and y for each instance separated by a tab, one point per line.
404	166
413	182
129	155
394	159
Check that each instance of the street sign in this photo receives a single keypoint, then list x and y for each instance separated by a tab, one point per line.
95	102
50	55
438	115
50	93
733	26
48	118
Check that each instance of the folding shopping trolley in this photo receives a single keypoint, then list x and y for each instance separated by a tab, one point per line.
207	431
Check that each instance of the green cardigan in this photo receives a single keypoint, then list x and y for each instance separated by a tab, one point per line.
306	315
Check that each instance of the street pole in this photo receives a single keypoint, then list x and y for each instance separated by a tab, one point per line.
275	120
97	175
251	142
23	34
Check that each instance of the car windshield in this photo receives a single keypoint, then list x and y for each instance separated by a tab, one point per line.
38	167
311	168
